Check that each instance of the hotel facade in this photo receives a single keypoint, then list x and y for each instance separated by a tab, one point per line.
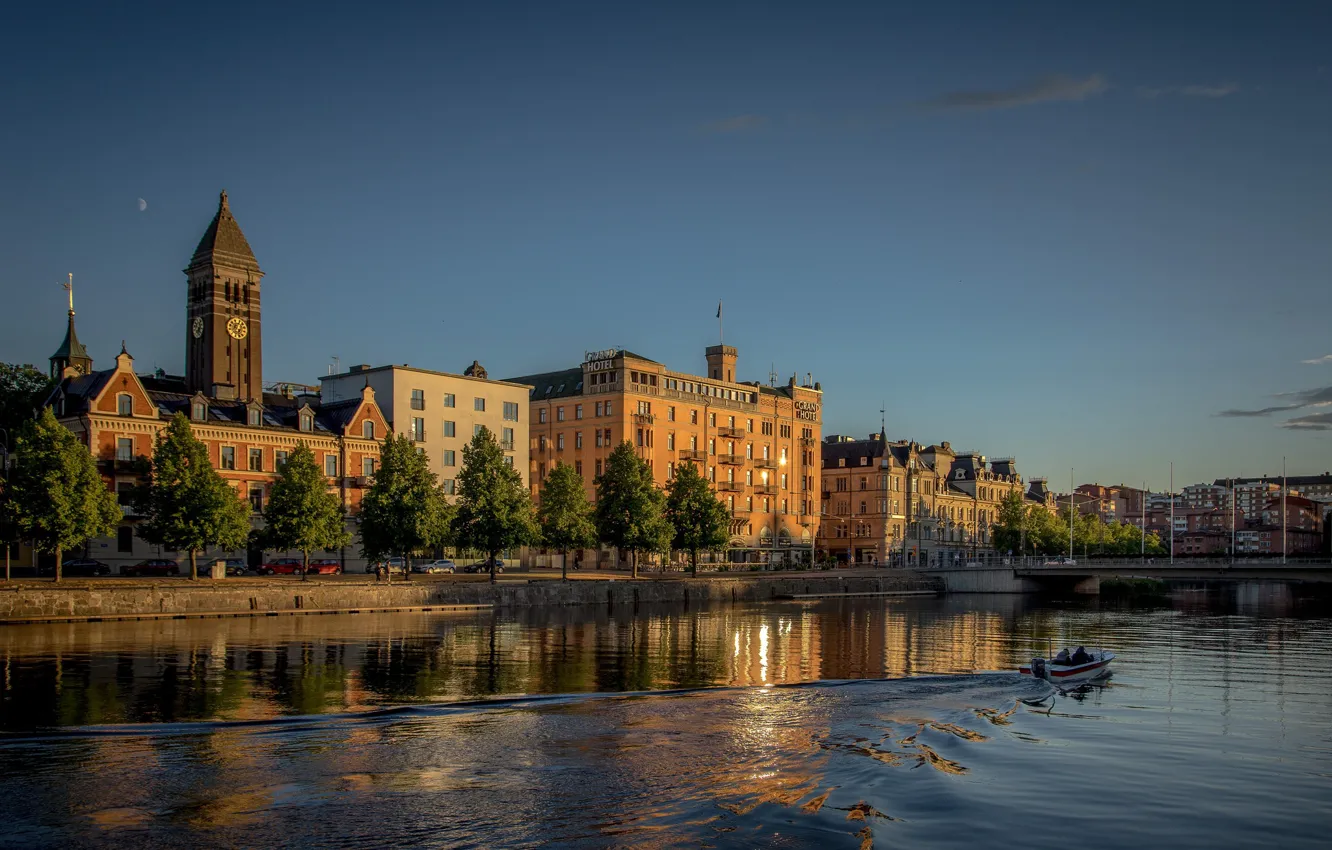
758	445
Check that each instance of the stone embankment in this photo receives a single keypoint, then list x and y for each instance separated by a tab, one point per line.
96	600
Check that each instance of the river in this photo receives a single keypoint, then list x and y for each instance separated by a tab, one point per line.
839	723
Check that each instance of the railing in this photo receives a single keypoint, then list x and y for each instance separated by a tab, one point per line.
732	460
730	486
765	489
765	463
693	454
644	418
507	445
730	433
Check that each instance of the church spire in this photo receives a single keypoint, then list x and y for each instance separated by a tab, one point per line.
71	352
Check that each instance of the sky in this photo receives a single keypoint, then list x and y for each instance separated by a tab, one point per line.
1093	237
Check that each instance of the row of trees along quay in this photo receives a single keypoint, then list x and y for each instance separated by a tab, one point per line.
1026	529
54	498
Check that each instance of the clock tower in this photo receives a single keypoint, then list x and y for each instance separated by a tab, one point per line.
223	353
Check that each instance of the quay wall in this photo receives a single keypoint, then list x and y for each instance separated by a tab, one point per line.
99	599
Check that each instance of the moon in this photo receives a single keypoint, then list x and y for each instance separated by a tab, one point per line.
143	205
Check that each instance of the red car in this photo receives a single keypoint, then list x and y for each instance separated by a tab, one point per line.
325	567
281	567
154	567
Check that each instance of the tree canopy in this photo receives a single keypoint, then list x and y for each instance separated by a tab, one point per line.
1029	529
630	508
185	503
697	516
567	518
55	497
494	508
302	513
402	510
23	390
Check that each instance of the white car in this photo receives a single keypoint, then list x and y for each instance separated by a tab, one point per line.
443	565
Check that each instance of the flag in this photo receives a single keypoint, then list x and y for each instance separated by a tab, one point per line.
719	309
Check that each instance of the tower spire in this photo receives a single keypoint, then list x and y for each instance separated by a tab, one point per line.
69	288
71	352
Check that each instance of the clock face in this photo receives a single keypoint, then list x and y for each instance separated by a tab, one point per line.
197	327
236	327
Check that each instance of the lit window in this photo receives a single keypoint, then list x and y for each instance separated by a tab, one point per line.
511	411
418	430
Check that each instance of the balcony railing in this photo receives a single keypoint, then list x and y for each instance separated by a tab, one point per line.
693	454
730	486
507	445
765	463
731	460
733	433
765	489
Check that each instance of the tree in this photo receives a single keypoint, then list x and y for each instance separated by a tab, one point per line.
401	511
23	390
630	508
698	517
185	503
567	518
55	495
494	508
302	513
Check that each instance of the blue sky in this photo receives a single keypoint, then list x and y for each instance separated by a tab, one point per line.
1070	234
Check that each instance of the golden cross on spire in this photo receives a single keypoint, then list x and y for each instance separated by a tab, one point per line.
69	287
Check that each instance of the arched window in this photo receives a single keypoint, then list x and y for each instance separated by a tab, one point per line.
124	404
368	429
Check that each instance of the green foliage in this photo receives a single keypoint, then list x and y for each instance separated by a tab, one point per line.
494	509
697	516
22	390
185	503
630	509
302	513
567	518
1033	530
55	496
403	510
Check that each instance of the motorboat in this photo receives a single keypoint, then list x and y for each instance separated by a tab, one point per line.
1070	668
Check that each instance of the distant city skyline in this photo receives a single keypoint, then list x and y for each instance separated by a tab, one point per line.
1084	238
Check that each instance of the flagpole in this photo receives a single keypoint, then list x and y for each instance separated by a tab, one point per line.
1284	541
721	328
1172	512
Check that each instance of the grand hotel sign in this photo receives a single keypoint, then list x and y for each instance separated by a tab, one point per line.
595	361
807	410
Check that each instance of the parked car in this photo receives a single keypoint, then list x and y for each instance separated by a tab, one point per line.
484	566
281	567
443	565
152	567
237	568
395	565
78	567
325	566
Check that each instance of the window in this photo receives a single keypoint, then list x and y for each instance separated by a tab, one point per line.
197	411
645	408
559	441
541	414
307	422
125	404
670	440
450	400
511	411
257	498
418	399
418	429
749	451
712	447
367	466
578	411
670	470
783	480
864	483
279	460
559	414
331	466
598	467
124	449
598	411
693	442
508	461
506	439
479	404
578	439
125	494
608	436
256	460
476	429
749	426
450	429
693	417
256	417
731	422
598	438
609	411
450	457
228	457
640	437
368	429
670	413
450	486
749	477
125	539
712	420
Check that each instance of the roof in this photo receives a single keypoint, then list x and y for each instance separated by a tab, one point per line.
79	390
852	450
546	385
223	243
70	348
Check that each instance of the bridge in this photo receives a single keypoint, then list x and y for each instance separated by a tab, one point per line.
1029	575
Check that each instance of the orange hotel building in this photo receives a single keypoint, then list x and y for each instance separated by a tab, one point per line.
758	444
249	428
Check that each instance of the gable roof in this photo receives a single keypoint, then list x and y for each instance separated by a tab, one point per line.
223	243
546	385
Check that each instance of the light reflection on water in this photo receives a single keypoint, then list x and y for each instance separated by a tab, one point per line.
1214	731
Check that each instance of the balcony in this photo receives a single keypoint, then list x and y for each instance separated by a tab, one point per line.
644	418
507	445
693	454
765	463
731	460
730	486
731	433
765	489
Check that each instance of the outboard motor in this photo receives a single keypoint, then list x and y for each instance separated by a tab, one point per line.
1039	670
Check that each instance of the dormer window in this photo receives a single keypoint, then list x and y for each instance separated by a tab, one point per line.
198	411
125	404
307	422
256	417
368	429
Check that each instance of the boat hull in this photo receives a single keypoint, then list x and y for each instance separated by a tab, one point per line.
1061	674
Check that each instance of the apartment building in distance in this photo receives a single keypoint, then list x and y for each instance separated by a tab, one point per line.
441	411
900	502
756	443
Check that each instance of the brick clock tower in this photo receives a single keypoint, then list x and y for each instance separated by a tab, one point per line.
223	350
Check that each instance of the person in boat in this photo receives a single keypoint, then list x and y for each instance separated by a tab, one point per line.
1081	656
1062	657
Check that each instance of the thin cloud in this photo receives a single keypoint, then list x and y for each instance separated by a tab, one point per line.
1213	91
1048	89
737	124
1262	411
1310	422
1318	361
